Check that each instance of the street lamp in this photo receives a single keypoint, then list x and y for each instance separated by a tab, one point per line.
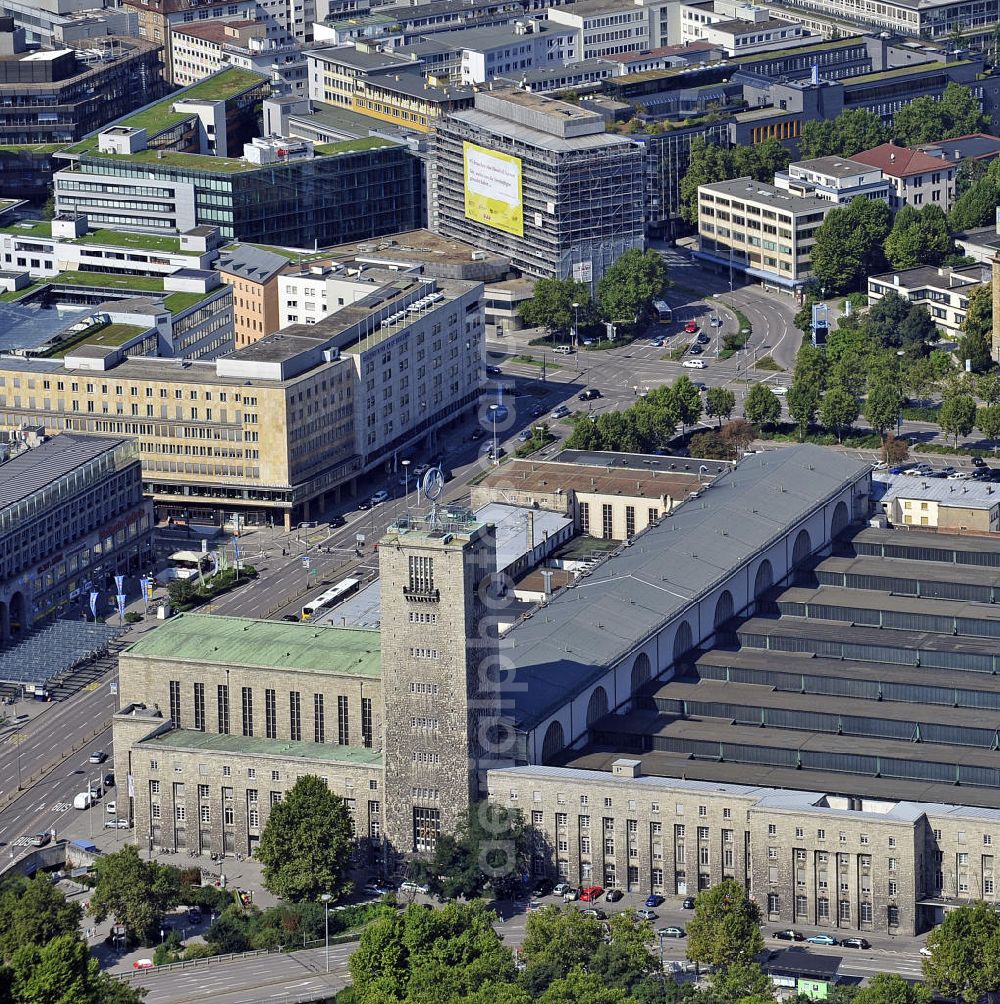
326	897
493	411
576	324
406	479
899	390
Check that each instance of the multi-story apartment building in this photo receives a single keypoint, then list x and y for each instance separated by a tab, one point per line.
916	178
177	165
943	291
538	181
509	50
408	100
612	27
72	514
60	95
739	28
838	179
278	428
253	273
335	72
310	293
760	230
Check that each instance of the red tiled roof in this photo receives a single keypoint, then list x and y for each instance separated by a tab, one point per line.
212	31
898	161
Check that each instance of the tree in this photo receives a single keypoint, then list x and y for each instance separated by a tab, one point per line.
965	953
742	981
687	398
136	893
891	988
33	912
719	403
762	406
848	244
725	928
838	411
988	422
803	403
555	942
629	286
422	956
707	163
958	415
490	845
582	987
918	332
925	120
988	387
918	237
976	207
624	959
62	971
305	849
969	172
881	407
977	330
551	305
849	133
739	434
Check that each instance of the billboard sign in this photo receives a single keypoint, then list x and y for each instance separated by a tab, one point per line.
493	189
583	271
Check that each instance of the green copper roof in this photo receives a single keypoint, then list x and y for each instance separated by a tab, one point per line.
209	742
237	641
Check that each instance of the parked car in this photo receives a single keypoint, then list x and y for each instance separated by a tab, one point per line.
657	343
379	497
694	349
561	412
613	895
142	964
409	886
703	339
688	903
821	939
695	364
855	943
587	341
375	889
543	887
978	462
571	895
116	824
40	839
290	617
671	932
595	913
562	888
523	436
645	914
654	899
494	371
590	394
564	350
591	893
537	411
111	808
780	389
715	321
98	756
690	327
789	935
109	778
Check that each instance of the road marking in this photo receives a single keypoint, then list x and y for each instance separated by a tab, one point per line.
61	806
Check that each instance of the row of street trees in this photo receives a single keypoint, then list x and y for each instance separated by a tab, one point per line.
625	294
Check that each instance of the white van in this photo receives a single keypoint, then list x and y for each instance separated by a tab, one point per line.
84	800
695	364
562	350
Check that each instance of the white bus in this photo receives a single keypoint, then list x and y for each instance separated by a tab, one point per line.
663	312
330	598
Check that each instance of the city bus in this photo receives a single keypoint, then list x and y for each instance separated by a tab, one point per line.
663	312
330	598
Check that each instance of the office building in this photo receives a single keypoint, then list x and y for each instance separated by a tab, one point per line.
955	506
538	181
943	291
201	49
335	72
978	146
607	495
55	23
311	292
408	100
252	273
189	148
760	230
72	515
838	179
739	28
279	428
612	27
57	96
917	179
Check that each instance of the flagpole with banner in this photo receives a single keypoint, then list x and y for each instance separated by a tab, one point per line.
93	604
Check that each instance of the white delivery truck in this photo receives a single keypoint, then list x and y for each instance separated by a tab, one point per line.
84	800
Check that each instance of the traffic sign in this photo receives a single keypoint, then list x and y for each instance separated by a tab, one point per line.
306	561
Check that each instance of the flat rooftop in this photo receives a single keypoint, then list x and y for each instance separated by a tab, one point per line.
34	470
750	190
519	530
930	277
236	641
837	167
960	494
190	741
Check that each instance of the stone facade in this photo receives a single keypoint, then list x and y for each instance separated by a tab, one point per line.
436	638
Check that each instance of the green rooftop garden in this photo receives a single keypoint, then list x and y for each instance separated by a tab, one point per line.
100	280
31	147
107	336
9	296
176	302
900	71
351	145
29	228
136	241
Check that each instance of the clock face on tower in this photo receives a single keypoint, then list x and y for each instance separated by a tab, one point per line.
432	484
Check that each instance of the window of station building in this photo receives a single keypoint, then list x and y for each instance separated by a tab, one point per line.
584	517
270	715
222	701
295	715
607	522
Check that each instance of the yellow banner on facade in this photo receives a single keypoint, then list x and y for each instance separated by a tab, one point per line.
493	189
